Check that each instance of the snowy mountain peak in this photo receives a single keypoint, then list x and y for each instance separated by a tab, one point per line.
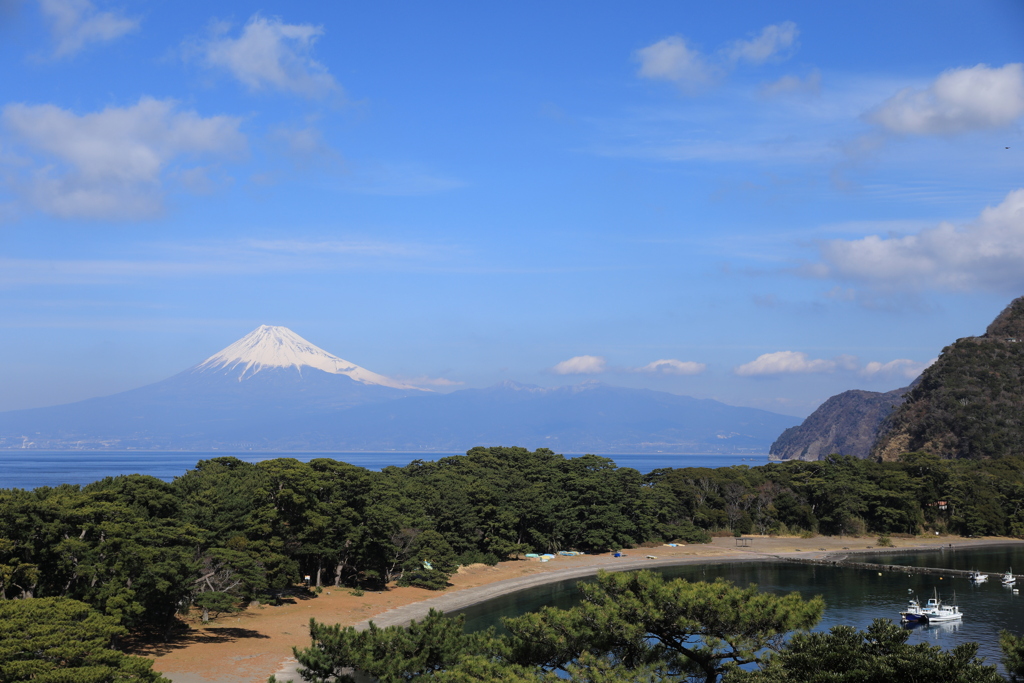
270	346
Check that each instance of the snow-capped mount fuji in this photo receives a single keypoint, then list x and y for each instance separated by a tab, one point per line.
245	396
271	346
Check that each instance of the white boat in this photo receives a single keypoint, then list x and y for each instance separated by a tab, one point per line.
1008	578
933	612
943	613
977	577
914	613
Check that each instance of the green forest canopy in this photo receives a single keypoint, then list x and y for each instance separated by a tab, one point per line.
141	550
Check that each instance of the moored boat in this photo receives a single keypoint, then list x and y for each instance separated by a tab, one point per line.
1008	578
977	577
933	612
914	613
944	613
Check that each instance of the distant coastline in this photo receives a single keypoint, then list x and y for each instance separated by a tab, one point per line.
32	468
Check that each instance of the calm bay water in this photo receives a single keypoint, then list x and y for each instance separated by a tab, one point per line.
852	596
27	469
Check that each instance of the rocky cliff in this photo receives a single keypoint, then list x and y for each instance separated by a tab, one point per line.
847	423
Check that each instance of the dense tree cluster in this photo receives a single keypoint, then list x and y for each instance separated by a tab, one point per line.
640	627
55	640
969	404
141	550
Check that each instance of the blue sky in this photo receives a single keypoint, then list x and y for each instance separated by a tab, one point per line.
761	203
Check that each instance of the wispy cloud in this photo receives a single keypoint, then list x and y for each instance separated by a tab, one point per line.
216	259
903	367
788	85
396	180
113	163
77	23
366	248
671	366
305	146
269	54
774	42
425	381
673	59
580	365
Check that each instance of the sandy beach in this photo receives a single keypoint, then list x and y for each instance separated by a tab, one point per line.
250	646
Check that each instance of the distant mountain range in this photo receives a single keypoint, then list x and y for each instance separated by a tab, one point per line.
968	404
273	390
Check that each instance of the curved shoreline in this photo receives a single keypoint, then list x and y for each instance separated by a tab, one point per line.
467	597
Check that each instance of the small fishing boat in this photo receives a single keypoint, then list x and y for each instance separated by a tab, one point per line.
933	612
914	613
1008	578
977	577
943	613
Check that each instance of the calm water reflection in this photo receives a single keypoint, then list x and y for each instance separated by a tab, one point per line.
852	596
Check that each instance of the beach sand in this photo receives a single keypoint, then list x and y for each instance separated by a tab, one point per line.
250	646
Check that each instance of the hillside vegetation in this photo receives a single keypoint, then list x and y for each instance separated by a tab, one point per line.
970	403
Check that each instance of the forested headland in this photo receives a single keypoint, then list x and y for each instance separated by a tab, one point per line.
131	555
143	551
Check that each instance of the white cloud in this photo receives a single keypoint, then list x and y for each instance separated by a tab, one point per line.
985	254
76	23
786	362
789	85
773	40
671	59
671	366
111	164
580	365
960	100
362	248
304	146
424	381
901	366
270	54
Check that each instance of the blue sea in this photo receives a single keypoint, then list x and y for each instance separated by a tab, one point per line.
31	468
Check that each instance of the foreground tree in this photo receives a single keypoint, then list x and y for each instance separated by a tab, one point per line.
640	620
879	655
629	627
1013	655
390	655
56	640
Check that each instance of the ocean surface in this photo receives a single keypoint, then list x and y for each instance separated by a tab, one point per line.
852	596
30	469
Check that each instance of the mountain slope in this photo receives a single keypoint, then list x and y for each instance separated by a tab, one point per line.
261	383
970	403
847	423
585	418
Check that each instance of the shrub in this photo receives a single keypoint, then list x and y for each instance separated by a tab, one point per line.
477	557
